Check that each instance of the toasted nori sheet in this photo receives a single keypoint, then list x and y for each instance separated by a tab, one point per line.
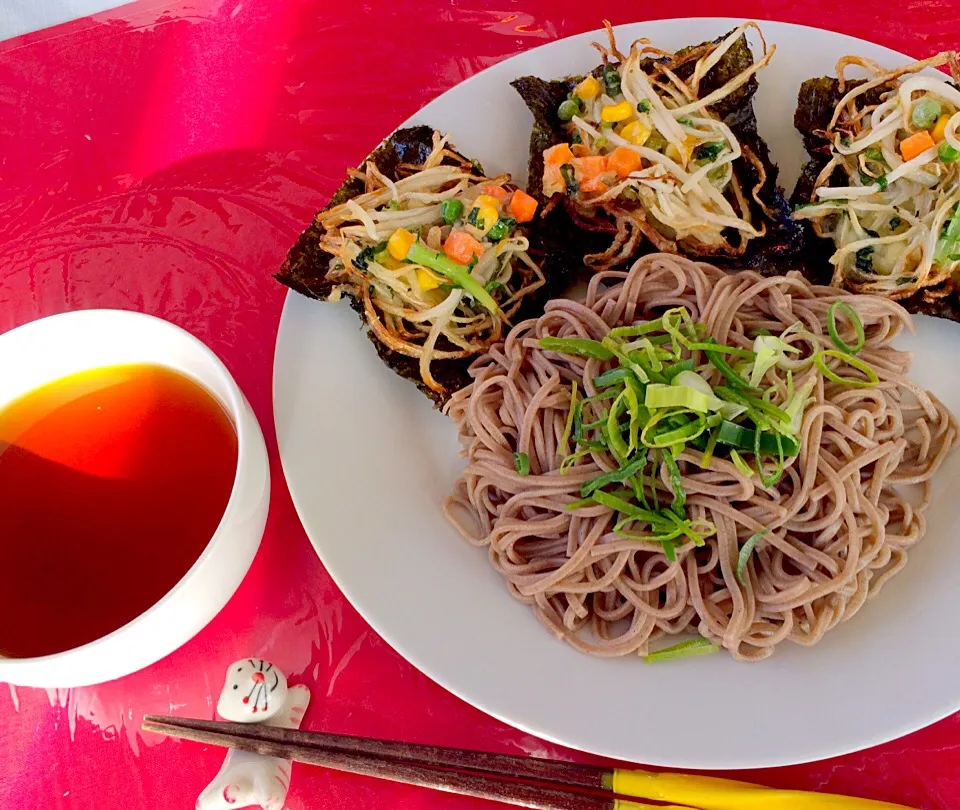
770	253
306	265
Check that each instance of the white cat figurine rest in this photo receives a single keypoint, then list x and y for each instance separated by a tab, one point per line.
255	692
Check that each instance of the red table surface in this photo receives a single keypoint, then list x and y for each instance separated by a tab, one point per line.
162	157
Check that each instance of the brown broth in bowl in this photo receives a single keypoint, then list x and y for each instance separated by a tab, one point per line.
112	482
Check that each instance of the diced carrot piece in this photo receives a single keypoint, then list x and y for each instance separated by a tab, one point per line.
916	144
589	167
558	155
579	150
497	192
623	161
462	247
523	206
594	184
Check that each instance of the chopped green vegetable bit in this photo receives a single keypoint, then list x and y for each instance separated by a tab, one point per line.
451	211
685	649
706	152
947	153
745	552
611	80
584	347
501	229
521	462
363	259
864	259
643	105
570	178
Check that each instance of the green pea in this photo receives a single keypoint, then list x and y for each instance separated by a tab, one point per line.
451	211
947	153
925	113
568	109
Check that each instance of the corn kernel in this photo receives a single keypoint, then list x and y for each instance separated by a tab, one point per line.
487	201
399	243
426	280
940	128
614	113
588	89
635	132
682	155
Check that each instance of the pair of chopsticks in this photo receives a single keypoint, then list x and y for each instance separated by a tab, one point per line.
541	784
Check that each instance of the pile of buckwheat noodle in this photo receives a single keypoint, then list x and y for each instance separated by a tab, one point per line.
840	521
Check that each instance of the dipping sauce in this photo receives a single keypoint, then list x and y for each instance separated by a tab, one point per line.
112	482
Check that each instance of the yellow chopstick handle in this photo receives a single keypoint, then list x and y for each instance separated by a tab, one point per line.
626	804
711	793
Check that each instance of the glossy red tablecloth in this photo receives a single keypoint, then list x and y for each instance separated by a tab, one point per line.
161	158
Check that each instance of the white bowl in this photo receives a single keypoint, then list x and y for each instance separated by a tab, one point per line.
54	347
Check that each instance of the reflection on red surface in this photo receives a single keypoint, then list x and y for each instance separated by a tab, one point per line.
161	158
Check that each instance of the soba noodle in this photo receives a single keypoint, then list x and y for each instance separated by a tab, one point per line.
839	523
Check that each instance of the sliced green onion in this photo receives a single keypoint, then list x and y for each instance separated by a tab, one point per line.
854	319
679	396
850	360
614	347
521	462
708	451
615	376
676	483
619	505
583	347
671	371
744	438
685	649
757	408
564	447
721	365
745	552
768	480
618	447
671	438
588	488
637	329
569	178
742	467
572	459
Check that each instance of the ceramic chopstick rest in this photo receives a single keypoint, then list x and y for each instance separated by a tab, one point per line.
255	691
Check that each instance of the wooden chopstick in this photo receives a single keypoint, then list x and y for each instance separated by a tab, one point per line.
498	777
523	781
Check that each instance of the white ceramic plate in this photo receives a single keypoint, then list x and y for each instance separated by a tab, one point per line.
368	462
